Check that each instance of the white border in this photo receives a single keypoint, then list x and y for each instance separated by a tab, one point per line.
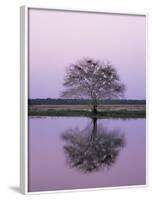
24	97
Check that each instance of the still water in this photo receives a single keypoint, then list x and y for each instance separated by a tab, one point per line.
76	152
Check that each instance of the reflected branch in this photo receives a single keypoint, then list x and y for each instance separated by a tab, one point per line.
92	148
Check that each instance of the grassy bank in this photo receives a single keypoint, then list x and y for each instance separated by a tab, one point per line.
85	113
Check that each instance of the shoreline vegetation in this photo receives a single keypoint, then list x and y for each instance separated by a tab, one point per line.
69	108
85	113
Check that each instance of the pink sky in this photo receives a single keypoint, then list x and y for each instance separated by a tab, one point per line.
58	39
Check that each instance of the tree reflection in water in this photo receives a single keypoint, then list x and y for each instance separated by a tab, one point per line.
93	148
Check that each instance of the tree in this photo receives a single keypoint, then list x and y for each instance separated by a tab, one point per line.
94	80
92	148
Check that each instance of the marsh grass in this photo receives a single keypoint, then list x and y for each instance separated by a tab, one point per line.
86	113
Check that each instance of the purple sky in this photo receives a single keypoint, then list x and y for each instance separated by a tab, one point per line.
58	39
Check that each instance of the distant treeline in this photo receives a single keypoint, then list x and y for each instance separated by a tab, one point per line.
81	101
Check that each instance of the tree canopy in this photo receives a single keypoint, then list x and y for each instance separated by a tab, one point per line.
92	79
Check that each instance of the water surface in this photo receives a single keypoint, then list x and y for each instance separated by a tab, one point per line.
64	153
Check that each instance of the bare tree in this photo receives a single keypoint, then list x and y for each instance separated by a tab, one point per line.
94	80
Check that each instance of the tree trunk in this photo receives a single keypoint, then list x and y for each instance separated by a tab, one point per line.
94	110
